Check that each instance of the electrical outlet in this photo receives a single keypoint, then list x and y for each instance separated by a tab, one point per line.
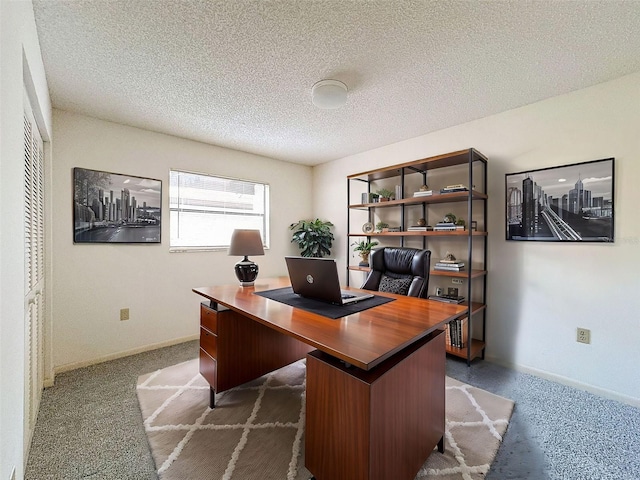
456	281
124	314
584	335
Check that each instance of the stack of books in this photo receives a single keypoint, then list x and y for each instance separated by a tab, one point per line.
456	333
420	228
447	298
423	193
454	188
449	266
445	226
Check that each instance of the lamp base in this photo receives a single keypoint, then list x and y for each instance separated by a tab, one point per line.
247	272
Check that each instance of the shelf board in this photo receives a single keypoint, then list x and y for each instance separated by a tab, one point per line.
462	274
476	349
460	157
435	198
358	268
455	233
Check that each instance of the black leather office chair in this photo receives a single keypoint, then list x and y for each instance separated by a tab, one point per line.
399	270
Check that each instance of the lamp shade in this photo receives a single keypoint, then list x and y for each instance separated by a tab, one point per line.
245	243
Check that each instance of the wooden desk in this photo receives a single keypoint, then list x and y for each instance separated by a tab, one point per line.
378	419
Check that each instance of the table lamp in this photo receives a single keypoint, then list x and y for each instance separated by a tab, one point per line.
244	243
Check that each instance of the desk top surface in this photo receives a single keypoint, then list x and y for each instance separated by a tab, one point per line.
363	339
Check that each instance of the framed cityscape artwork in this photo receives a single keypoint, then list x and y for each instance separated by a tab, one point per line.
115	208
569	203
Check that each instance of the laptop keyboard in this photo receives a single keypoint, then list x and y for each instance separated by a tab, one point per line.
347	295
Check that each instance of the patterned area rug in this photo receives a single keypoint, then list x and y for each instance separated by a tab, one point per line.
256	431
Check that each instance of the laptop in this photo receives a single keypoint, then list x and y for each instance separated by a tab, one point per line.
317	278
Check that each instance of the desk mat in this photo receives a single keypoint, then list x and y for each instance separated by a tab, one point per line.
285	295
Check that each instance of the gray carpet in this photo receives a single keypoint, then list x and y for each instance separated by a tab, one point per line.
90	426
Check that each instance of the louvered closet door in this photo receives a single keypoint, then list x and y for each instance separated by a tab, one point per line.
34	270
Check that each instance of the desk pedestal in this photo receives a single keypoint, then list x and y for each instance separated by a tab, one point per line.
235	349
376	424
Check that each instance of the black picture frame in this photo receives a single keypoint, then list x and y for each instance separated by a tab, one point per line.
567	203
116	208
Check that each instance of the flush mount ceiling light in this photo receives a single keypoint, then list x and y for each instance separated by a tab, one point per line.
329	94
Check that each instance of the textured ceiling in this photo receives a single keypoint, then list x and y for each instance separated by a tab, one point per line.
238	73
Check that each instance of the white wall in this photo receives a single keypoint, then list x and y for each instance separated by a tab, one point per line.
539	293
92	282
20	62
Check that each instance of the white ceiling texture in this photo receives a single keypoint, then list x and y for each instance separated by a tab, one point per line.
238	73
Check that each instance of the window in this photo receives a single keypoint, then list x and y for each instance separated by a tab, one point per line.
205	209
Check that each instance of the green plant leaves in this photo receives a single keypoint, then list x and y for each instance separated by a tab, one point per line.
314	237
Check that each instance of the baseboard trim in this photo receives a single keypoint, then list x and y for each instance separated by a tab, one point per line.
601	392
126	353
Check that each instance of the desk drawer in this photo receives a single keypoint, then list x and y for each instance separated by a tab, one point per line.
209	369
209	319
209	342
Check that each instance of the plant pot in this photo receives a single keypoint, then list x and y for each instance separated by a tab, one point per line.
364	262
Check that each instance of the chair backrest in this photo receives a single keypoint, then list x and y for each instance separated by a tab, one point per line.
399	270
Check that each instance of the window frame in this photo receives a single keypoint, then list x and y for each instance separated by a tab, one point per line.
216	248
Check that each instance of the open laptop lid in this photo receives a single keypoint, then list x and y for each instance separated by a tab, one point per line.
318	278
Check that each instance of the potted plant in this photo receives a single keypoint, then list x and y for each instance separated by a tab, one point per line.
363	247
380	226
314	237
385	195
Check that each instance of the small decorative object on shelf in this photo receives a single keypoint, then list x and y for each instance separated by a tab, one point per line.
420	226
424	191
449	258
454	188
385	195
367	227
446	298
449	264
460	224
448	223
450	297
380	226
363	247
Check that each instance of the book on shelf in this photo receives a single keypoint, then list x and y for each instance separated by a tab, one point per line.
420	228
423	193
454	188
448	268
445	226
457	333
446	298
449	262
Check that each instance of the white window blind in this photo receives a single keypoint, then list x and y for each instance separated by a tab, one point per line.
205	209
